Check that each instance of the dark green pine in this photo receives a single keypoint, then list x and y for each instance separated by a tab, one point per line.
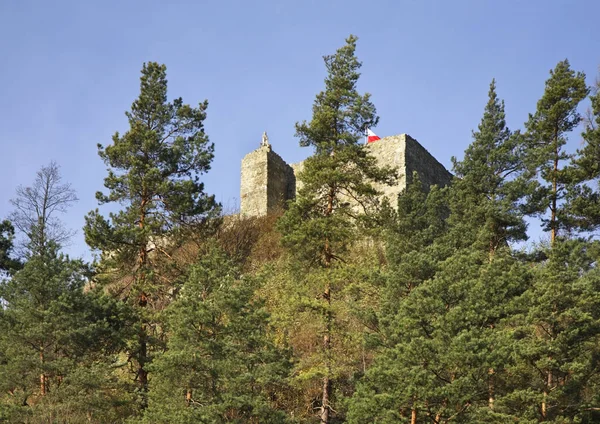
583	200
154	173
7	235
490	186
336	191
59	345
451	283
221	364
411	237
557	331
547	130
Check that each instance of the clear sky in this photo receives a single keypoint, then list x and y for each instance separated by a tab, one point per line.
70	69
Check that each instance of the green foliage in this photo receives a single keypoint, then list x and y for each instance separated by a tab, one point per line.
340	173
59	345
7	236
451	283
336	195
153	173
410	235
442	344
546	136
341	310
555	333
221	365
583	201
490	184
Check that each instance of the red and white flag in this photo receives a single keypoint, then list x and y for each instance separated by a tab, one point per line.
371	136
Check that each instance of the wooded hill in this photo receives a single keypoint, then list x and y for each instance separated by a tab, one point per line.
427	311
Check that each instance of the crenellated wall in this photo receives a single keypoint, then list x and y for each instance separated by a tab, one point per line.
268	181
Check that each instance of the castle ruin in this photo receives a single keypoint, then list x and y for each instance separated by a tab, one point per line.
267	181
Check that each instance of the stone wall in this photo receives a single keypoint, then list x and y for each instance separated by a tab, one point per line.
281	183
391	151
253	187
267	181
429	169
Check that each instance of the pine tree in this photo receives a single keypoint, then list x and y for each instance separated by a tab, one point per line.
546	136
490	186
221	365
452	282
413	258
336	188
58	344
441	343
153	171
557	334
411	235
583	201
57	340
7	236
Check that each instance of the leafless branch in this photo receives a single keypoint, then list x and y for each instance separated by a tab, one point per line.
36	209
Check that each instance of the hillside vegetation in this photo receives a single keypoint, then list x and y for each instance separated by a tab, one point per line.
425	311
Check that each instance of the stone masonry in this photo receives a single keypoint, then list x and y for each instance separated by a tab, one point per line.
268	181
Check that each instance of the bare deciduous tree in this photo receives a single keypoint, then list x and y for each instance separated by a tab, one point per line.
37	207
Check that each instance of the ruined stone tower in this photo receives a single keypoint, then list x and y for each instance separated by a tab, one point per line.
268	181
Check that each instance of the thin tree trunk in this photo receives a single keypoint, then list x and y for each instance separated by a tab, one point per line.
43	380
142	303
143	354
553	226
491	388
544	405
493	237
545	396
325	400
413	415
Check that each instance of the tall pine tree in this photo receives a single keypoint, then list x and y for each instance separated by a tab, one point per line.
153	172
583	200
336	188
490	186
547	129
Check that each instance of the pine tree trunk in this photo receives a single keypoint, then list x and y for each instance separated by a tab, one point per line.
143	352
553	228
491	388
142	373
327	350
413	416
142	303
43	380
545	396
325	400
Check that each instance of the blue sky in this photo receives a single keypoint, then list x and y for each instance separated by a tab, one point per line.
70	69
